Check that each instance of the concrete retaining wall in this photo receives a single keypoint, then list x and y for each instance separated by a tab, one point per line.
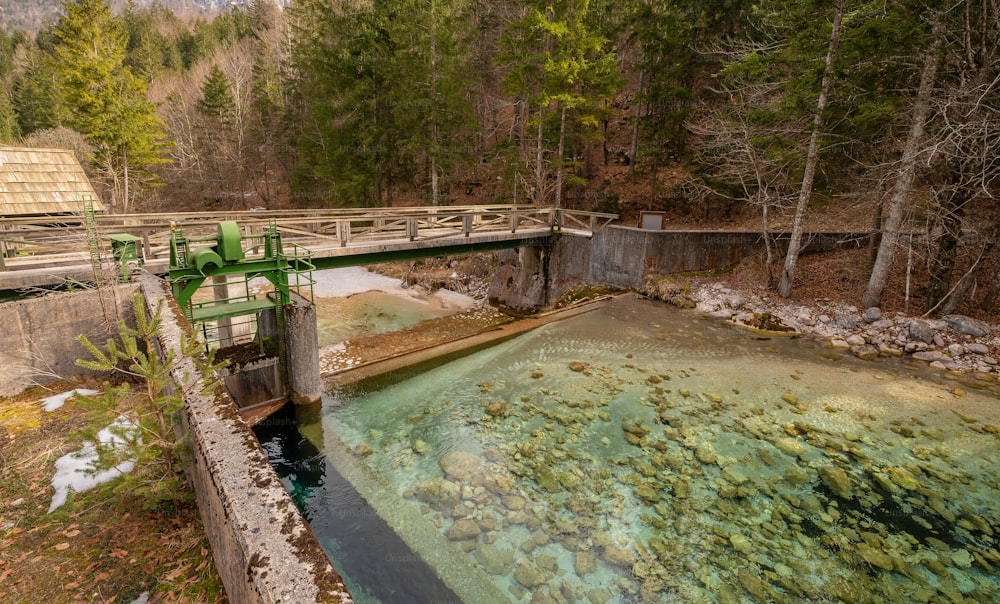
38	335
263	548
531	278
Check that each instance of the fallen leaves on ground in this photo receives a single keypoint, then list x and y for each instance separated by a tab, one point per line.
101	546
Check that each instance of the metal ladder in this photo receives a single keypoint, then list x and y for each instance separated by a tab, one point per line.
93	242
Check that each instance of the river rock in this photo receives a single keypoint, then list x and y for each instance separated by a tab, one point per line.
459	464
577	366
847	322
705	454
865	352
420	447
617	556
496	409
647	493
931	356
920	330
790	446
966	325
529	576
547	562
874	556
463	529
961	558
584	563
977	348
872	314
901	477
837	481
740	543
598	595
513	502
494	561
439	493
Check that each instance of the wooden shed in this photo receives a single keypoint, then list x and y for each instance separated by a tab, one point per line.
43	182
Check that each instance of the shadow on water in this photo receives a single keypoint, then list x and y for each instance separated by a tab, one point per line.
362	547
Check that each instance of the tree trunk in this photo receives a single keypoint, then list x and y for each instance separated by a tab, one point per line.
539	157
560	164
875	238
946	250
812	159
634	149
907	170
125	192
768	245
435	193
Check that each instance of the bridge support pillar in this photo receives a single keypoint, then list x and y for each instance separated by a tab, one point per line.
521	285
303	383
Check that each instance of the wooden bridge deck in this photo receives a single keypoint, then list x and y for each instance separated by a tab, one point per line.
49	251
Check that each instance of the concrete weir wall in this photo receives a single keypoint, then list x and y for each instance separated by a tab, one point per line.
531	278
263	548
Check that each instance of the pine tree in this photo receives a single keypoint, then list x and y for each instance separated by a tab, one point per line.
36	93
216	97
566	70
107	102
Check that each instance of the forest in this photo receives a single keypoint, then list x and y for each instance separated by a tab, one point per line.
705	109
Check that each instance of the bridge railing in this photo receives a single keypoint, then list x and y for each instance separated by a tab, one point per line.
52	240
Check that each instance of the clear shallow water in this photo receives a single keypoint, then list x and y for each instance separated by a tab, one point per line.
640	453
339	319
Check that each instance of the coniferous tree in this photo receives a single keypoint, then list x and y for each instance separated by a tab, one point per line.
558	63
36	93
216	97
106	102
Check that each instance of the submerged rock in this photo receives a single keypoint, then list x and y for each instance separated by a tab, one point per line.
617	556
584	563
874	556
577	366
740	543
902	478
459	464
463	529
495	562
529	576
837	481
439	493
496	409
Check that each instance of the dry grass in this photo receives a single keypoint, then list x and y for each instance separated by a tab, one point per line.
100	546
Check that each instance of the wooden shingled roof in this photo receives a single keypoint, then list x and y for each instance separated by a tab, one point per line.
37	182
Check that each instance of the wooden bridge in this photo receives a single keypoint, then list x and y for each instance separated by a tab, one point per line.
44	252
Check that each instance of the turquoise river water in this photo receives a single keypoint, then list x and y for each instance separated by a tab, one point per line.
639	453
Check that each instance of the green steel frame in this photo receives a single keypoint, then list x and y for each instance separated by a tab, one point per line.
195	260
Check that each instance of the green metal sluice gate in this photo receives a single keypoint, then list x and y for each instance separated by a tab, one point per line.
211	279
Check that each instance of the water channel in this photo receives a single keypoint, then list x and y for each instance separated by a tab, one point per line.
640	453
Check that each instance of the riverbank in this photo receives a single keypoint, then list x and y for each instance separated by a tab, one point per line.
954	343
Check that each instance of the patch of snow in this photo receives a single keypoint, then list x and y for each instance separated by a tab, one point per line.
142	599
52	403
454	299
75	471
344	282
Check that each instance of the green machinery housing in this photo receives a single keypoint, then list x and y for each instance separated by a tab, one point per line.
228	262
